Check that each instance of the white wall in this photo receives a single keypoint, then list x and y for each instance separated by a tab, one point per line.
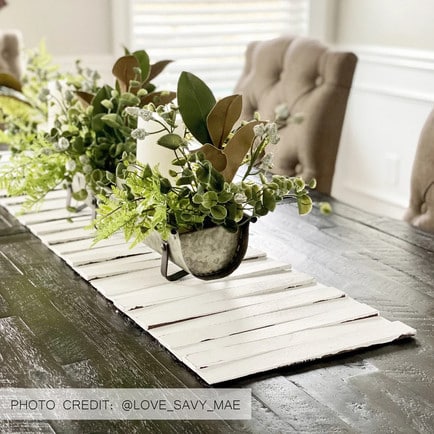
392	95
72	29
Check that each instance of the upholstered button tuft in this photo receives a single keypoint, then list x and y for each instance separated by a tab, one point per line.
319	81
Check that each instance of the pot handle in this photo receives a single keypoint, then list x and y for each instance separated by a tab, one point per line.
165	263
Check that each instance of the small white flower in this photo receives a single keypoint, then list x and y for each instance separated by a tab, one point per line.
84	159
273	135
240	198
146	115
70	165
258	130
139	134
87	168
267	162
63	144
281	112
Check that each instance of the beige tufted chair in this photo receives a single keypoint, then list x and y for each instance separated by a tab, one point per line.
10	53
420	212
310	79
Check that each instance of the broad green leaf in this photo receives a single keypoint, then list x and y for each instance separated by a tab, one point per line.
222	118
171	141
123	70
97	122
144	64
237	148
195	101
112	120
102	94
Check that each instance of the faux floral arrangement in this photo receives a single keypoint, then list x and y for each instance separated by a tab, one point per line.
202	189
87	143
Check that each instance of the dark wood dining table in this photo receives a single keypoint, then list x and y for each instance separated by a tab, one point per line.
57	331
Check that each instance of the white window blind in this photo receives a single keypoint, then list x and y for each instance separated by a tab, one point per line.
209	38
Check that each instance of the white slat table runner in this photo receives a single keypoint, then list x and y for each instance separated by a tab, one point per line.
264	316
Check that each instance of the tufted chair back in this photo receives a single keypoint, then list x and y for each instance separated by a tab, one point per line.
420	212
10	53
311	80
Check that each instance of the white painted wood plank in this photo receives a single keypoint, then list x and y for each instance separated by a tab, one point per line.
115	266
210	304
81	245
219	289
306	346
69	235
238	319
113	286
14	200
254	253
251	268
300	297
105	254
266	339
59	226
46	216
319	314
145	278
45	205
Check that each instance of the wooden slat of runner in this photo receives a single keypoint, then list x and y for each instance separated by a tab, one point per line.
307	345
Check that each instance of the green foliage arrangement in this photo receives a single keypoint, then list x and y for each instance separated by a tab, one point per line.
89	142
203	189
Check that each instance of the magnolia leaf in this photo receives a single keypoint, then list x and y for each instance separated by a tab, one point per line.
171	141
157	68
158	98
237	148
85	97
97	123
195	101
9	81
215	156
123	70
222	118
144	64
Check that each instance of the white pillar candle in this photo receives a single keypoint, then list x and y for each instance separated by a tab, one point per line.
150	152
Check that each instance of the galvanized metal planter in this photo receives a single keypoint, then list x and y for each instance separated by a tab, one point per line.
207	254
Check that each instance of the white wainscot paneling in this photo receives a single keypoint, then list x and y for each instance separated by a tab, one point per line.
392	95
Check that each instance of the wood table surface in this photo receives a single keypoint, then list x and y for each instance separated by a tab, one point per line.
57	331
